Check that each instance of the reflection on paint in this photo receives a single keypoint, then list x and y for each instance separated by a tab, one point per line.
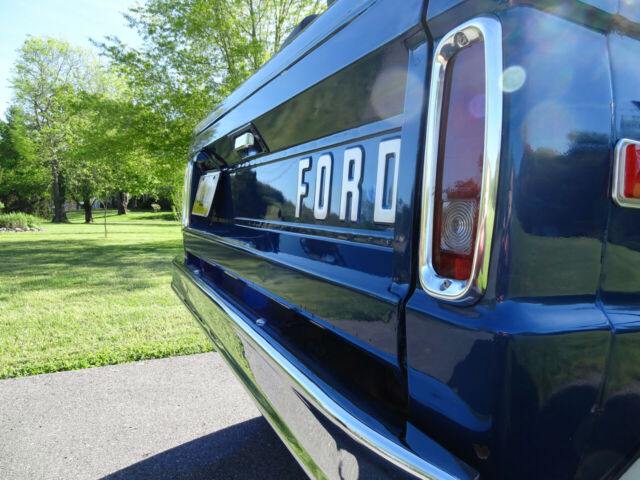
548	124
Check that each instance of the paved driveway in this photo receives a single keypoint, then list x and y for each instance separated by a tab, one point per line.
175	418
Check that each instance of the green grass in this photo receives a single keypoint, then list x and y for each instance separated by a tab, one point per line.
70	298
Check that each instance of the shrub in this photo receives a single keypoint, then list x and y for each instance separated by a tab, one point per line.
18	220
156	207
1	207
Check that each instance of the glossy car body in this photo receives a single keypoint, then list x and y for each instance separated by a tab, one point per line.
330	323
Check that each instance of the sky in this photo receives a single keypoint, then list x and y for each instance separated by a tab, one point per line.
73	20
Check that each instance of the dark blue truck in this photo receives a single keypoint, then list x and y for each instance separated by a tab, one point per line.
414	235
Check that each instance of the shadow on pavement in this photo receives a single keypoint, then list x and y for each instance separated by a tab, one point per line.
249	449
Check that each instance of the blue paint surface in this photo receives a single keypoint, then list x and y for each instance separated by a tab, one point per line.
541	377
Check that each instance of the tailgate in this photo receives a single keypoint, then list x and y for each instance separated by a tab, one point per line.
311	222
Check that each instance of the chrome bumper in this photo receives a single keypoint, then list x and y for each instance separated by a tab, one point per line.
326	438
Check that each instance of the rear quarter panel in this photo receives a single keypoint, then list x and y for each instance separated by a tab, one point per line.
617	430
510	383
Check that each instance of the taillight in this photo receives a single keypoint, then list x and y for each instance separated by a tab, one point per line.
461	161
626	182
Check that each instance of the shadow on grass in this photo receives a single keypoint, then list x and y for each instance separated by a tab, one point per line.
52	263
98	215
98	231
249	449
168	216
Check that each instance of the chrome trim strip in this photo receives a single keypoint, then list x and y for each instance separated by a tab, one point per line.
248	333
633	472
376	238
488	31
617	192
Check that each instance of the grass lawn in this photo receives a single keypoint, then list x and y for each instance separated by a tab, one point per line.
70	298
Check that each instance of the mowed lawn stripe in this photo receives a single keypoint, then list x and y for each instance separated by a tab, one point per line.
70	298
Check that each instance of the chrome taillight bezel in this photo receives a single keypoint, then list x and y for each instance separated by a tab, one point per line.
186	199
488	31
617	192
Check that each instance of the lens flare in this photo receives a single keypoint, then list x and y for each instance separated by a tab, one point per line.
476	106
512	78
386	89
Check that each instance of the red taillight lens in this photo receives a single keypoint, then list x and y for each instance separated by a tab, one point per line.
632	171
460	164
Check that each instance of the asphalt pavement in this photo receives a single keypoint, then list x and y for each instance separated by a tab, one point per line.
174	418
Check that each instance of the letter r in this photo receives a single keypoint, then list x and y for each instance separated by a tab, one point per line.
351	176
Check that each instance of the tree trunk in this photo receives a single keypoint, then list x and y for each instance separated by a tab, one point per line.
88	211
122	199
58	190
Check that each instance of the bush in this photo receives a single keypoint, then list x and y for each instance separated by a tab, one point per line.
1	207
156	207
18	220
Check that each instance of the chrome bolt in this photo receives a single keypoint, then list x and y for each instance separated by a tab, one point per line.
461	39
261	322
444	285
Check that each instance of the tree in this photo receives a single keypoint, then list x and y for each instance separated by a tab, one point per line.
91	158
194	53
23	177
47	72
108	155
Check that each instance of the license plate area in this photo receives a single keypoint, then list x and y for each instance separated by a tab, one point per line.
205	194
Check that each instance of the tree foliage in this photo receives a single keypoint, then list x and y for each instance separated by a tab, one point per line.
47	75
23	176
84	129
194	53
108	155
79	121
